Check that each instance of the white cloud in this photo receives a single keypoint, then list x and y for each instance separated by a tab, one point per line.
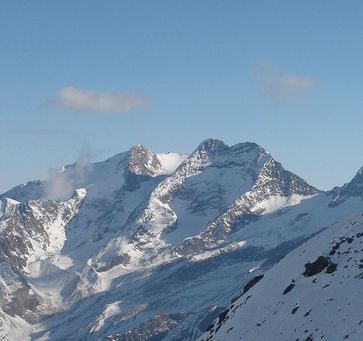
281	86
288	85
98	101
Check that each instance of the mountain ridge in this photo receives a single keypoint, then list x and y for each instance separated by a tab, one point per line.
102	240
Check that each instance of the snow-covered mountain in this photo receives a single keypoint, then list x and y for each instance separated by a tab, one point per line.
147	246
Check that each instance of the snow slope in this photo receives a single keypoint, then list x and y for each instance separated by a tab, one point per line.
171	161
313	293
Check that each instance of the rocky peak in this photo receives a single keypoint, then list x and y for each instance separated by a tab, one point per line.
282	182
217	146
219	154
141	161
212	146
246	147
32	190
354	188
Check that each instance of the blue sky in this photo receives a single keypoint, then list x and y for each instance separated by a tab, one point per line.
168	74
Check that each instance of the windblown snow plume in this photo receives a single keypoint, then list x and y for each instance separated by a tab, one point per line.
62	183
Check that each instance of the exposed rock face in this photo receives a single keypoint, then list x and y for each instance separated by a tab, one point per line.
34	229
17	297
155	329
141	165
147	246
141	161
352	189
317	266
251	283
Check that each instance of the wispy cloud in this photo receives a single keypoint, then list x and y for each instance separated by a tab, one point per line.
39	132
99	101
281	86
62	184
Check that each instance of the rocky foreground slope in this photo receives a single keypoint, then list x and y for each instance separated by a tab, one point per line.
314	293
147	246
